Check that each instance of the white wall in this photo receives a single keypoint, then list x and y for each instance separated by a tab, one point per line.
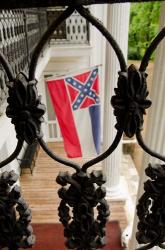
7	143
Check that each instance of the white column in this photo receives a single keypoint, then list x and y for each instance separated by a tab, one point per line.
156	121
117	24
42	91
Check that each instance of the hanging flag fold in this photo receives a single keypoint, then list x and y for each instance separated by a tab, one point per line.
76	102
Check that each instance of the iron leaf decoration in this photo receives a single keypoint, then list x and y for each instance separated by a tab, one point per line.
83	230
15	216
151	209
25	108
130	100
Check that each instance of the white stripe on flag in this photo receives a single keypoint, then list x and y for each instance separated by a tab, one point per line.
84	130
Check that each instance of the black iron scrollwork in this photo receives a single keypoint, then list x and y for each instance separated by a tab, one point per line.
82	228
84	191
151	209
15	216
25	108
130	101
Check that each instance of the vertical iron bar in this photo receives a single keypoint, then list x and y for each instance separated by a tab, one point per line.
26	36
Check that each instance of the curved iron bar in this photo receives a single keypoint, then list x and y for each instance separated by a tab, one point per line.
32	69
57	158
162	246
86	14
142	68
44	39
105	154
97	23
6	67
146	247
17	4
146	148
150	49
13	155
33	63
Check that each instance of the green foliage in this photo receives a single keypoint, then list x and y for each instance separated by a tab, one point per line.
144	23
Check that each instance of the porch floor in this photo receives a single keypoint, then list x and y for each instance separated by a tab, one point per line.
40	189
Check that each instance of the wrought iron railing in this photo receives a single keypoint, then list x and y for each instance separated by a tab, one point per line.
20	31
81	192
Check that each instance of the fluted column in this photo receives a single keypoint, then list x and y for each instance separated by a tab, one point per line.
156	121
117	24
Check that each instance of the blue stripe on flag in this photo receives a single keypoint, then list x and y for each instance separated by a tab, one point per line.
94	112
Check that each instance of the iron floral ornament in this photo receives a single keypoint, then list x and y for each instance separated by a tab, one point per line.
25	108
15	216
151	209
130	100
83	230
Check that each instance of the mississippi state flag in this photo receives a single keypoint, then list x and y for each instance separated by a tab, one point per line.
76	103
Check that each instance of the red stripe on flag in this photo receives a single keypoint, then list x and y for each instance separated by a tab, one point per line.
62	107
95	86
